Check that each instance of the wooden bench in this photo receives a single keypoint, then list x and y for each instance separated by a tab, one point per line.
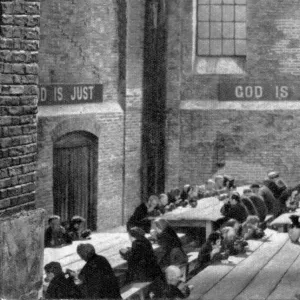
137	288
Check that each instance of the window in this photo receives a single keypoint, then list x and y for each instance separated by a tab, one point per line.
221	28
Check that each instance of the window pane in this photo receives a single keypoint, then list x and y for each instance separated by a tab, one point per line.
216	47
240	1
203	13
203	47
240	30
216	30
228	47
240	13
215	13
215	1
228	1
240	47
228	30
228	12
203	1
203	30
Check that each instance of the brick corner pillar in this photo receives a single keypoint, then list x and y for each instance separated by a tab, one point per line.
21	225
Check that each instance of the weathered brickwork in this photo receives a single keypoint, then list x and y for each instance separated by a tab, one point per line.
19	43
95	42
254	137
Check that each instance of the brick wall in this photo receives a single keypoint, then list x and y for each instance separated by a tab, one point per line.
95	42
255	136
19	43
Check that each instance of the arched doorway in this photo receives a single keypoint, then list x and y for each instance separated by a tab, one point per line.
75	177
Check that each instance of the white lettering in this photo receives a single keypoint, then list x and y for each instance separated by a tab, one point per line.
249	91
239	92
43	94
91	88
59	94
85	93
258	92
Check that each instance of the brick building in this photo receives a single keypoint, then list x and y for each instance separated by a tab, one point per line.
213	45
166	118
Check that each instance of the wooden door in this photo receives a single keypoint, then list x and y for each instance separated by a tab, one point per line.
74	173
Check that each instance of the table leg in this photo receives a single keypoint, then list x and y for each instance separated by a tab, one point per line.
208	228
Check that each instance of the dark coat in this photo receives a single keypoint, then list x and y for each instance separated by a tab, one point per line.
139	218
271	202
172	247
274	188
98	279
142	263
204	254
260	206
59	238
249	206
61	287
173	292
237	212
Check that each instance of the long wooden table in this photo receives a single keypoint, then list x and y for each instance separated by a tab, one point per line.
203	215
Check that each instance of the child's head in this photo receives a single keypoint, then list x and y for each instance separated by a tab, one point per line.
252	221
152	202
52	269
175	193
247	192
77	222
163	199
186	188
136	233
54	222
235	198
214	238
273	175
219	181
86	251
173	275
210	185
254	188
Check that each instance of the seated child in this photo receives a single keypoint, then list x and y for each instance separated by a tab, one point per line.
55	234
175	289
294	230
171	246
61	285
251	230
139	217
75	230
185	192
219	184
210	188
233	241
174	196
212	250
234	209
163	202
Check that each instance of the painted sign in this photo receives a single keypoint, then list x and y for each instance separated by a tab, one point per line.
66	94
238	90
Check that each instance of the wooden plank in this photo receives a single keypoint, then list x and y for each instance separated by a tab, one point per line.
269	277
205	280
289	284
237	280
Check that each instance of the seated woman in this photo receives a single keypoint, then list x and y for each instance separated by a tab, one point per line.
75	230
55	234
142	263
171	245
259	204
139	217
249	205
211	251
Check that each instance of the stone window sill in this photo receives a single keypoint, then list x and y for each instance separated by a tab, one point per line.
220	65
